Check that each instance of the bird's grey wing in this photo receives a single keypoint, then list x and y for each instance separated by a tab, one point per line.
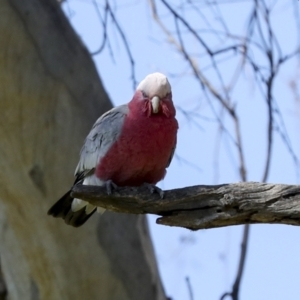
102	136
171	156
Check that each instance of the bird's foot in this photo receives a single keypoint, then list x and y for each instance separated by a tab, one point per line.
110	186
154	189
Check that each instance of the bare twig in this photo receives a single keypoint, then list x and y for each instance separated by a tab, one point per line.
108	11
104	26
125	42
189	287
234	294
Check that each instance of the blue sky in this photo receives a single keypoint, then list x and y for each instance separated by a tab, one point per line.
209	257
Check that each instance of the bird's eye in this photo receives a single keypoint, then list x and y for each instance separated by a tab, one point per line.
169	97
144	94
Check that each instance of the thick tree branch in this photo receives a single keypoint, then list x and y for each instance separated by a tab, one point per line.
199	207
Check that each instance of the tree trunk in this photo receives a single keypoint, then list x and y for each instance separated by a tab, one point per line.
50	95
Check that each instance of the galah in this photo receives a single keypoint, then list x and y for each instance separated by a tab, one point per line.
130	145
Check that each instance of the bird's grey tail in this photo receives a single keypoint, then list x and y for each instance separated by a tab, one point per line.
63	209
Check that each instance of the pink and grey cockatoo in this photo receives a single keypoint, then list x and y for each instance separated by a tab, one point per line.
130	145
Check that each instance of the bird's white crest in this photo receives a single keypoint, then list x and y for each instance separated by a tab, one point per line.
155	84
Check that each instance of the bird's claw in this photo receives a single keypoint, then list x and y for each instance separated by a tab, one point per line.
154	189
110	186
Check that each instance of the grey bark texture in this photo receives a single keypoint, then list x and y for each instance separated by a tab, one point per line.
203	207
50	95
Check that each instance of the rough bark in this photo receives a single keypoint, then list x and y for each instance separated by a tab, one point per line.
202	207
50	95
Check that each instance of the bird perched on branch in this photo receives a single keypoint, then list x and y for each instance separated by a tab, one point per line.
130	145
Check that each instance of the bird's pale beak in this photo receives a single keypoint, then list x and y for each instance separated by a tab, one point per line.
155	104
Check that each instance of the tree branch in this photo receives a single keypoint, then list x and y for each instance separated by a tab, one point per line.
203	206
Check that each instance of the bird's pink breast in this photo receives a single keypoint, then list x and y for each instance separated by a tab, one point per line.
142	151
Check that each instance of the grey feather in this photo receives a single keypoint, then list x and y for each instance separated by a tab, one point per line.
171	156
103	135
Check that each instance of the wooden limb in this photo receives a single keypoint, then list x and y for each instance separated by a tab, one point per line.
200	207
